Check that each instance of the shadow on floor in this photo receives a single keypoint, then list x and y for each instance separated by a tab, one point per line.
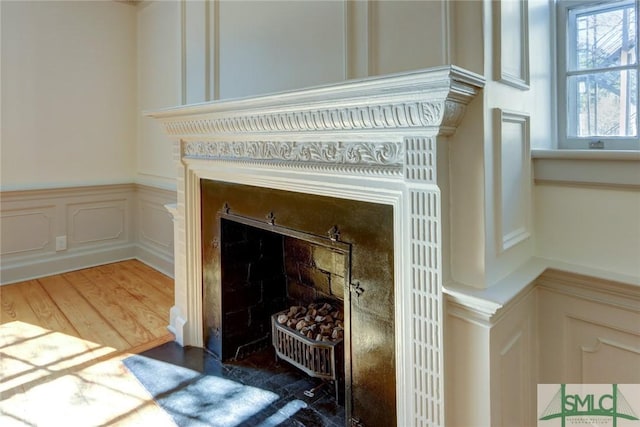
196	389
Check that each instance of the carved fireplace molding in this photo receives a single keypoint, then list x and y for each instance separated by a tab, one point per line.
381	157
380	140
389	116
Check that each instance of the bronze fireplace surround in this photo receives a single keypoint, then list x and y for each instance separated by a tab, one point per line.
369	339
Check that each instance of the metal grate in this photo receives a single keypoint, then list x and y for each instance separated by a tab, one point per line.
318	359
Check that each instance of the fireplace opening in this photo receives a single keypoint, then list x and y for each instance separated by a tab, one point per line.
285	288
265	251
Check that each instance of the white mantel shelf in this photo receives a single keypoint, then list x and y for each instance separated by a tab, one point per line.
314	109
380	140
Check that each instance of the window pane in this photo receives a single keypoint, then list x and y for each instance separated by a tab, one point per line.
605	104
605	38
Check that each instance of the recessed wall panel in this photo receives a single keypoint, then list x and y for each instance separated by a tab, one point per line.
512	43
26	230
592	345
155	226
513	178
279	45
589	330
97	222
513	358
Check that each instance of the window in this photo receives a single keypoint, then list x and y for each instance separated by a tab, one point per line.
598	74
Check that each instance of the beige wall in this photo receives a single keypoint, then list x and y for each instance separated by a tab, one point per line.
595	227
68	93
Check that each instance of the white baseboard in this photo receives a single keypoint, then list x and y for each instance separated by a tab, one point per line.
156	260
35	268
46	266
55	264
177	324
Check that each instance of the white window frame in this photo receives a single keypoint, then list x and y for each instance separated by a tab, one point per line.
564	8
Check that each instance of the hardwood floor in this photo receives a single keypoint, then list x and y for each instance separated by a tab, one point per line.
62	340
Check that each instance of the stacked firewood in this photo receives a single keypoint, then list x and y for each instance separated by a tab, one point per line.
320	322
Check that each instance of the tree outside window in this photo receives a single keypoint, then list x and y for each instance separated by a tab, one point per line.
601	79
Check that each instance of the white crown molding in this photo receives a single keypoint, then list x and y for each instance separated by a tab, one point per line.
603	291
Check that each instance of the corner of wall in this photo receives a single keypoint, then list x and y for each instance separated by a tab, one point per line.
50	231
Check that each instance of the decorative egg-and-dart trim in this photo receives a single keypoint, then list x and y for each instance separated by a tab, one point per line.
408	115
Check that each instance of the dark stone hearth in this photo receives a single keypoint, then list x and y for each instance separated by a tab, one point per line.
291	408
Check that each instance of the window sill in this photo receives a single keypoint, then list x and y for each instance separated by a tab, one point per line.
632	155
592	168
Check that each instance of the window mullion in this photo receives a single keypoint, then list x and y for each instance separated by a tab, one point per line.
602	70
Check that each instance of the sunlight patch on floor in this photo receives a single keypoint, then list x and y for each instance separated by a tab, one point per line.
51	379
199	399
30	353
283	414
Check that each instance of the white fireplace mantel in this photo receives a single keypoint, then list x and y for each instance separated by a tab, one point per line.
380	140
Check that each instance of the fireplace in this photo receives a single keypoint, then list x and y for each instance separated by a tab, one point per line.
265	249
313	159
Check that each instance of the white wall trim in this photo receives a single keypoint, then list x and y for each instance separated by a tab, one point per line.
485	307
34	268
602	291
183	52
566	328
357	39
603	342
482	312
177	325
506	147
213	49
372	54
512	69
158	261
122	210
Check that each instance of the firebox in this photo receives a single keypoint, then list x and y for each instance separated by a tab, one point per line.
265	266
310	275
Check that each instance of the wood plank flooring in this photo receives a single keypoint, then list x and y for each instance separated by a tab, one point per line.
62	340
122	305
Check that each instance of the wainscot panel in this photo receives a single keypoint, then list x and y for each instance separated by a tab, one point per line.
154	228
49	231
589	330
491	370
